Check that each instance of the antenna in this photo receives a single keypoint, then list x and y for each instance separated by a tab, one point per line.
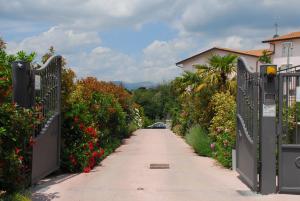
276	30
276	19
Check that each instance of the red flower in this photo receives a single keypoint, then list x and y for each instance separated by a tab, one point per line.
32	141
95	154
76	119
17	150
101	152
91	146
91	131
73	160
21	158
91	162
86	169
81	126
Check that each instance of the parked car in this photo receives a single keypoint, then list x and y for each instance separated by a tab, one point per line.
158	125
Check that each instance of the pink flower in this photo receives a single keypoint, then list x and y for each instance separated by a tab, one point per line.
212	146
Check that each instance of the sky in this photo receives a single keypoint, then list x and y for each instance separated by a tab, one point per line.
140	40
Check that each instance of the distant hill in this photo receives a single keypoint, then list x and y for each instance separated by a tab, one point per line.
135	85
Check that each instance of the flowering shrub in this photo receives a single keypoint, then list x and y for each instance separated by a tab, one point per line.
222	128
16	127
137	117
223	148
91	85
95	121
95	118
80	151
5	76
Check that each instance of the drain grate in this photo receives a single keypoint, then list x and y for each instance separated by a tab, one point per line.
159	166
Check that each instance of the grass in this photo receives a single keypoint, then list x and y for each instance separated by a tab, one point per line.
18	196
198	138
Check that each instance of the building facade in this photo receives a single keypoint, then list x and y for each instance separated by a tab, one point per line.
202	58
285	50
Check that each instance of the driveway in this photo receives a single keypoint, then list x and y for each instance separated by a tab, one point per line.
125	176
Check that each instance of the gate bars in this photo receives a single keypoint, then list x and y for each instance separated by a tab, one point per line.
289	132
271	130
247	124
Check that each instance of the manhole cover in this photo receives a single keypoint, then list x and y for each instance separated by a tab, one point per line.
159	166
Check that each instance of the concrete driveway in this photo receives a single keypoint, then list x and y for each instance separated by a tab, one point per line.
125	176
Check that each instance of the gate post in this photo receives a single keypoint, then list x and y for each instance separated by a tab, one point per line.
23	84
267	180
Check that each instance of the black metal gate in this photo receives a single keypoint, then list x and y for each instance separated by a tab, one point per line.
289	132
247	124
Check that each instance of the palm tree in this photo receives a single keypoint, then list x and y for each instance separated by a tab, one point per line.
186	83
217	72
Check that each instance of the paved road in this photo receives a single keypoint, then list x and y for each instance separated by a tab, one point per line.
125	176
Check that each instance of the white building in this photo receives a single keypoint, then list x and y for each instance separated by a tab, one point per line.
285	50
251	57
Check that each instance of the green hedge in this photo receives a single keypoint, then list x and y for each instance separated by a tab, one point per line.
198	138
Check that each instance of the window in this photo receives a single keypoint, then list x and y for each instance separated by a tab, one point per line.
287	49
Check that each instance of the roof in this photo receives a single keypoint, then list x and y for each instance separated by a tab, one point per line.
292	35
254	53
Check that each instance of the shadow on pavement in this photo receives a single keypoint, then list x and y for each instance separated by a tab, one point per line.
44	196
43	185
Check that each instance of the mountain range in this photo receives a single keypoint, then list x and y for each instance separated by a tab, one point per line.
135	85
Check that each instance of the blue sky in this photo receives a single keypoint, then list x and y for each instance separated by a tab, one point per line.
140	40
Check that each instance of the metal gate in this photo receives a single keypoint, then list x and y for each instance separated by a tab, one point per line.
247	124
41	88
46	150
289	132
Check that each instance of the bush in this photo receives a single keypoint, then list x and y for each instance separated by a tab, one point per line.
81	149
198	138
224	107
93	122
223	149
16	128
23	196
222	128
177	129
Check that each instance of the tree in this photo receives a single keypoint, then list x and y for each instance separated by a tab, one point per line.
265	58
2	44
216	74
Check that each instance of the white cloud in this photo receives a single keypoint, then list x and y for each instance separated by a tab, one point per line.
200	24
85	55
234	42
66	41
157	63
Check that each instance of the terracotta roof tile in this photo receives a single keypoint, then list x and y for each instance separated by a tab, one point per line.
254	53
292	35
